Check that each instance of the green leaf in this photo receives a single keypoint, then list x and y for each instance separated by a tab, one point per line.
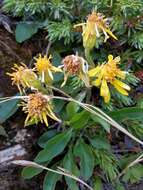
79	120
25	31
97	183
50	181
69	164
119	187
84	152
58	105
29	172
56	61
100	143
46	136
72	109
103	123
2	131
54	147
133	174
131	113
7	109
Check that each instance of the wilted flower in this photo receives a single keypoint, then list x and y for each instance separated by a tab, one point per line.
38	108
108	74
96	23
22	76
45	68
75	66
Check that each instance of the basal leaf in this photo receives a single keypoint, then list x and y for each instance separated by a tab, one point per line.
2	131
131	113
70	165
100	143
103	123
50	181
7	109
25	31
29	172
54	147
72	109
79	120
46	136
84	152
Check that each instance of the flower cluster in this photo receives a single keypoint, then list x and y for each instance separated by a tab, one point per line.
45	69
23	77
38	107
109	73
96	23
75	65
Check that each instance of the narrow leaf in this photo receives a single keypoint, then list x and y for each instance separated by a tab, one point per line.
54	147
70	165
84	152
50	181
25	31
29	172
131	113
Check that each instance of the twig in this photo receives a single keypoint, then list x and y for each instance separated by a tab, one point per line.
48	47
136	161
98	113
61	171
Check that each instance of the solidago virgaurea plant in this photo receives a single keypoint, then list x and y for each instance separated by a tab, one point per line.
82	93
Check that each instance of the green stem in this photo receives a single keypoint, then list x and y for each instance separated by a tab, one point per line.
89	57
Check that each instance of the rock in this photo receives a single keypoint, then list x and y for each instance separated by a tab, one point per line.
11	153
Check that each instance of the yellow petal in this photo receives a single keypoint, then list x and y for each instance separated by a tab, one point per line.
45	118
97	82
110	57
104	91
93	72
121	84
120	89
52	115
56	69
84	77
111	34
50	74
65	79
121	74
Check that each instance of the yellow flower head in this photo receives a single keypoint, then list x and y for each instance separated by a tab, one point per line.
22	76
96	23
45	68
109	73
38	108
75	65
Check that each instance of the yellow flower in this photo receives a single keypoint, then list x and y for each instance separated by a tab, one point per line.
96	22
75	66
109	73
23	77
45	68
38	108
